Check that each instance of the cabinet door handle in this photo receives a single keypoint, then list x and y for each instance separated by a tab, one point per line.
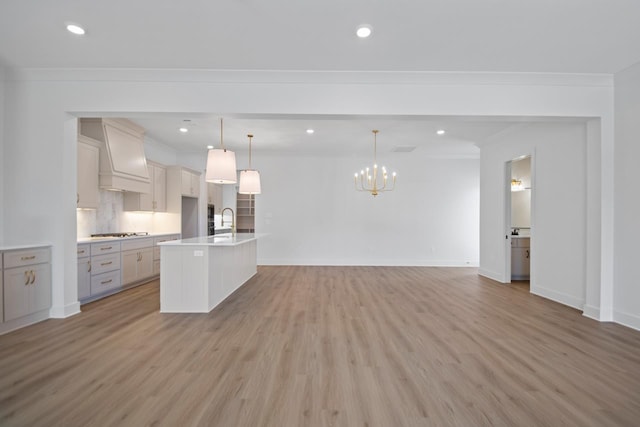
77	198
106	248
104	282
527	253
89	262
26	275
33	277
27	258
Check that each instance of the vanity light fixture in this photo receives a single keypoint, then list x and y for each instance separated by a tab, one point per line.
249	178
369	179
221	164
75	29
516	185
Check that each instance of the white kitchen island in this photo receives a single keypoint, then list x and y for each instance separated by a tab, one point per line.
198	274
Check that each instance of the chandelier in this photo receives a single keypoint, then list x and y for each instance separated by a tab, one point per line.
373	180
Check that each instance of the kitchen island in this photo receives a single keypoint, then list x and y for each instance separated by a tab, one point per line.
198	274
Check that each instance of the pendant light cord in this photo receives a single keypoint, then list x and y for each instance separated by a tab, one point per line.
250	136
221	139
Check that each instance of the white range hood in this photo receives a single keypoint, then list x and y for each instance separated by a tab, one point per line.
123	166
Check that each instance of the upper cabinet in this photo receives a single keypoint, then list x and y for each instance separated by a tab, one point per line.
88	196
214	196
190	184
156	200
123	165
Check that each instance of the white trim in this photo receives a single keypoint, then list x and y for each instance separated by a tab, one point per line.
560	297
626	319
362	262
591	312
438	78
491	275
21	322
65	311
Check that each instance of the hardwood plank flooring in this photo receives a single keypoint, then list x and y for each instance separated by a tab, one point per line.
327	346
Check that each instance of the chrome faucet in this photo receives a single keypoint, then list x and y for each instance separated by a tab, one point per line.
233	220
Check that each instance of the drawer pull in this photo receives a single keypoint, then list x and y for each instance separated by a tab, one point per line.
106	248
27	258
106	281
106	263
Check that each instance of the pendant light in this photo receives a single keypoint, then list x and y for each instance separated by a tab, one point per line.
249	178
221	164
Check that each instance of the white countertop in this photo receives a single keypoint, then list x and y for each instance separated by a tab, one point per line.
114	239
27	246
217	240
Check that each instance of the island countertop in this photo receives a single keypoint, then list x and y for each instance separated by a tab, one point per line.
216	240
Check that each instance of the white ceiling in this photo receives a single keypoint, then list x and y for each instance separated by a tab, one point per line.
568	36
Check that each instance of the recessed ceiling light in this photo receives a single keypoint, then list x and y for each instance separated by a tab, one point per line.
209	147
310	131
183	130
363	31
75	29
440	132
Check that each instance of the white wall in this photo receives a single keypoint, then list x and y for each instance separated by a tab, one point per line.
314	216
559	218
40	143
2	156
627	197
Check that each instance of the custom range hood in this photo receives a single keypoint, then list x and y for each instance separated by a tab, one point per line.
123	166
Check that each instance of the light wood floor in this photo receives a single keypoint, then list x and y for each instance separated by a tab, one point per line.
327	346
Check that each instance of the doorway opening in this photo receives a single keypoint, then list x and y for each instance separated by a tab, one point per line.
518	227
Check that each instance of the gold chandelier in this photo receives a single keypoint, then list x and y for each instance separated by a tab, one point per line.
371	180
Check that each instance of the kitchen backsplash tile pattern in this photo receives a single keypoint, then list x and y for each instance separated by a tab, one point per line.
110	217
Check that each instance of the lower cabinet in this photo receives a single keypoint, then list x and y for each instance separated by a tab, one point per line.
137	265
1	294
26	283
520	259
84	272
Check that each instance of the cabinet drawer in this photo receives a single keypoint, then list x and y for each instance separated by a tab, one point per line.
84	250
156	253
26	257
105	282
130	245
103	263
520	242
165	238
104	248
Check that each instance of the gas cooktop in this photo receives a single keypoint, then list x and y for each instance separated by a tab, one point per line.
143	233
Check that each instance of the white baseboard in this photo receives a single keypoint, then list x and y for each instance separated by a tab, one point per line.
560	297
491	275
65	311
375	263
591	312
626	319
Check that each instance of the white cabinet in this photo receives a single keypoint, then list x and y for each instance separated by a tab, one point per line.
84	271
26	282
156	200
1	293
137	260
104	268
520	258
190	183
88	196
214	196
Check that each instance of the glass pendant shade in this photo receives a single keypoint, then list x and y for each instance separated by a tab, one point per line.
221	167
249	182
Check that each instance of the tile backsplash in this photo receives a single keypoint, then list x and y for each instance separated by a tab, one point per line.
110	217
